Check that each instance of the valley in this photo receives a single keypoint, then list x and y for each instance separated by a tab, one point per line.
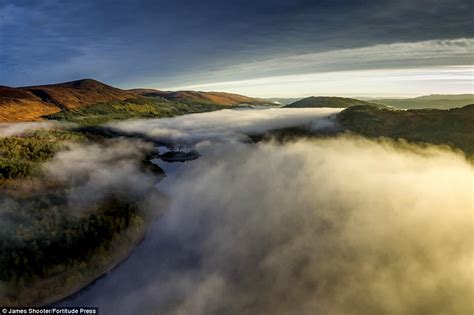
84	189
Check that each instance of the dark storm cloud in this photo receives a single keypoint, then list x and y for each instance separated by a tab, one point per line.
142	42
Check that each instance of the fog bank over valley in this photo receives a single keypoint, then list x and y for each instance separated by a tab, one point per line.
271	157
12	129
227	124
343	225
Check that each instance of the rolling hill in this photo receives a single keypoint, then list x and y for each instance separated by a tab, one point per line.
20	105
329	101
437	101
32	103
198	97
79	93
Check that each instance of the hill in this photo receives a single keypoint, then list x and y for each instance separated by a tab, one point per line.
32	102
454	127
20	105
437	101
141	107
329	101
203	98
79	93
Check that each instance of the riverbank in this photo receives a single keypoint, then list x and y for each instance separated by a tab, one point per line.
46	291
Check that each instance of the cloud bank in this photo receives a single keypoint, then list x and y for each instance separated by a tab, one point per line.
331	226
226	125
81	177
414	55
341	226
13	129
95	171
158	43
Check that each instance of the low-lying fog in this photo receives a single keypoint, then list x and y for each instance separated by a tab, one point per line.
228	125
331	226
13	129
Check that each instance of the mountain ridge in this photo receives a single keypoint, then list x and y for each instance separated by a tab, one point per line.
220	98
31	103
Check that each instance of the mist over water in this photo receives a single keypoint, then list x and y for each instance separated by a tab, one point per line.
228	125
343	225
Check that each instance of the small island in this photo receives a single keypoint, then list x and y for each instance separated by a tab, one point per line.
179	156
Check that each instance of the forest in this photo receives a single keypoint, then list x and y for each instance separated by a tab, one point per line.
143	107
21	156
49	245
41	240
453	127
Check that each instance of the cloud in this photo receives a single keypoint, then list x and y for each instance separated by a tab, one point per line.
356	83
93	172
157	43
330	226
79	178
433	53
228	124
341	225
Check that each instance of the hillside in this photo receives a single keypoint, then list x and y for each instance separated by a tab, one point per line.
141	107
79	93
328	101
198	97
437	101
31	102
454	127
20	105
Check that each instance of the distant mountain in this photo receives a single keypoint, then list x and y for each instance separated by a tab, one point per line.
32	102
205	98
141	91
437	101
329	101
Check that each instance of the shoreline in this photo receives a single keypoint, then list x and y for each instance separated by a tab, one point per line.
57	288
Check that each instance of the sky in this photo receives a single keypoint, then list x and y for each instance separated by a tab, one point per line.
277	48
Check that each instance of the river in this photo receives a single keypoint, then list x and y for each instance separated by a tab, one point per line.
144	282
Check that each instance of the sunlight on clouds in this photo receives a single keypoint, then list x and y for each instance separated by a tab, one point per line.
403	69
380	82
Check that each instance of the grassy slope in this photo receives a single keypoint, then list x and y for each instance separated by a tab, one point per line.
71	101
454	127
20	105
328	101
203	98
76	94
31	103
